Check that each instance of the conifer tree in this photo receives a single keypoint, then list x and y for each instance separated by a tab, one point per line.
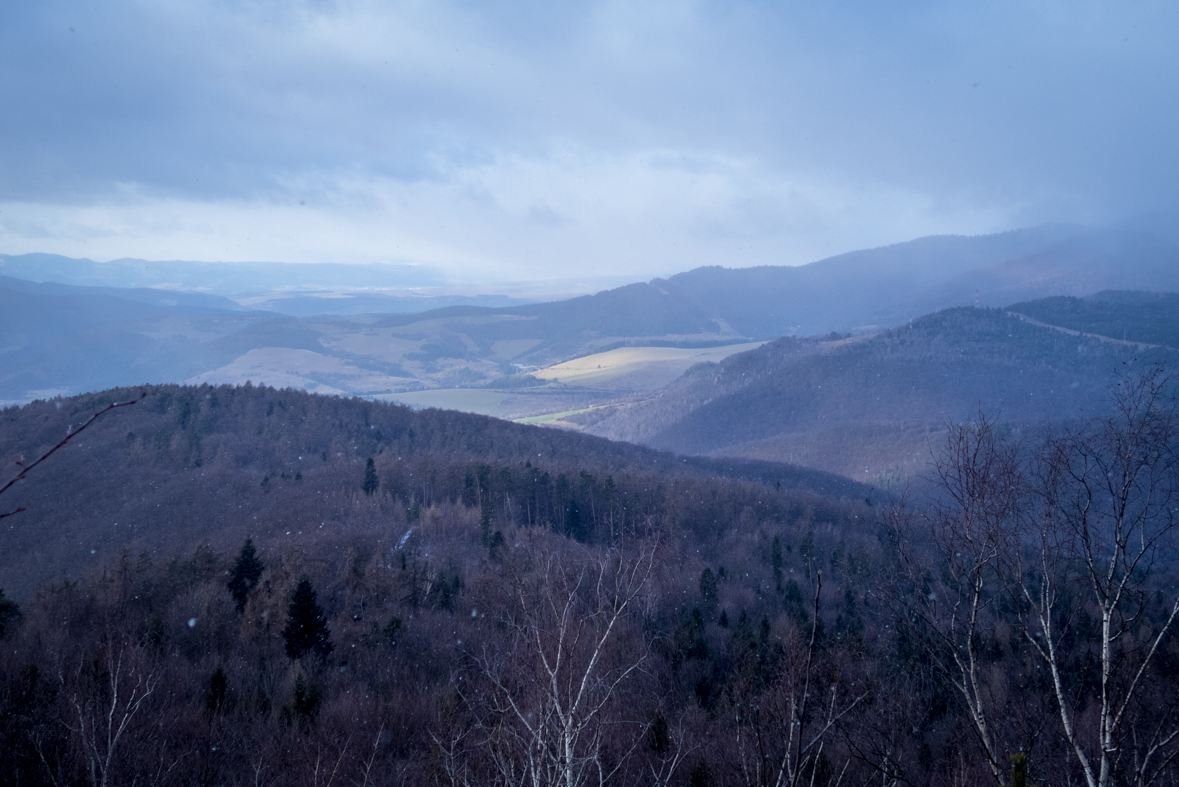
708	586
216	691
245	574
306	628
9	613
371	482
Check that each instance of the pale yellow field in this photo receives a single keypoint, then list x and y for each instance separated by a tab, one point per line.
636	368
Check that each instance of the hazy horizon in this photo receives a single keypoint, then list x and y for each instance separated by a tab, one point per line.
525	142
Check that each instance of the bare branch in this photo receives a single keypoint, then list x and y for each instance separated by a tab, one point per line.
69	436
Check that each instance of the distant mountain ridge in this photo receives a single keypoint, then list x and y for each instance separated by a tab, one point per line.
224	278
882	288
1150	318
867	407
54	338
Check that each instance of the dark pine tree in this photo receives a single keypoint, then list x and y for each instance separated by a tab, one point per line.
306	628
9	613
371	482
245	574
215	693
708	586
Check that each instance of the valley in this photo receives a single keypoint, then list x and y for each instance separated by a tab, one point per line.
875	408
690	516
83	332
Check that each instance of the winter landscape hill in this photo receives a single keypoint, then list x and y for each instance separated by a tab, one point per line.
244	572
873	406
65	336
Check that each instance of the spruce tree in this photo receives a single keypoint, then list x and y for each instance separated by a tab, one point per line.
9	613
708	586
306	628
216	691
245	574
371	482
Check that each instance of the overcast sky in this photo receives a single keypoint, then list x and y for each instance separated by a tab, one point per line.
540	140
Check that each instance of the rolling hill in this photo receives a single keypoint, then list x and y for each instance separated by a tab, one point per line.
63	339
203	464
869	407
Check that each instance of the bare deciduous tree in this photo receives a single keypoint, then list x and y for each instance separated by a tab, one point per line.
1106	530
70	435
973	522
782	731
551	688
106	702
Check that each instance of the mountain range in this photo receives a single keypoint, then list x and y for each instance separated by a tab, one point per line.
872	406
66	335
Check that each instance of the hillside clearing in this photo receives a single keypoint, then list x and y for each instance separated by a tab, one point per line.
639	369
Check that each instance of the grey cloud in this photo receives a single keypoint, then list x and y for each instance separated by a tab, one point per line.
1062	110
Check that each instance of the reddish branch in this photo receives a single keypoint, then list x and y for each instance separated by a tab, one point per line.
69	436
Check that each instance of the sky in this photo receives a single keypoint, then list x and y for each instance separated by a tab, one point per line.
516	141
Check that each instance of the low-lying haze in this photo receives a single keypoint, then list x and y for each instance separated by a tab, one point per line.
528	140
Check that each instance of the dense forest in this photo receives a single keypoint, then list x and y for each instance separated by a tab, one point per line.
304	590
1147	317
206	464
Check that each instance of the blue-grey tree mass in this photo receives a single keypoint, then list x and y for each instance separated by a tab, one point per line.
527	140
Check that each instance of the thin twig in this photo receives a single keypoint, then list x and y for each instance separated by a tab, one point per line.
70	436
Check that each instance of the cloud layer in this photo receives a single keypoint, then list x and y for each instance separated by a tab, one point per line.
541	140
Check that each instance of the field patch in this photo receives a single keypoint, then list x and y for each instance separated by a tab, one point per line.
637	369
281	367
544	404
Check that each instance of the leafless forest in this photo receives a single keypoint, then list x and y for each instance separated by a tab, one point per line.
264	587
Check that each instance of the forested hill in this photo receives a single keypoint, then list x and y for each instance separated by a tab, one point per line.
871	288
1146	317
868	406
446	618
65	339
189	465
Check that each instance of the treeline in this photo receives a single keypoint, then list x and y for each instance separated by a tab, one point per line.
206	464
939	367
1012	625
1148	317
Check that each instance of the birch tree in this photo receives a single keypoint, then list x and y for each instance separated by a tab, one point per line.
973	523
109	693
549	710
781	732
1103	545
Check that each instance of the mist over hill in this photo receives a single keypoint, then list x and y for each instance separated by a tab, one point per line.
870	407
221	278
66	339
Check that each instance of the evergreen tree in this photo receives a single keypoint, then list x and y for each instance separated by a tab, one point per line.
306	628
9	613
245	574
216	691
708	586
776	562
307	700
371	482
